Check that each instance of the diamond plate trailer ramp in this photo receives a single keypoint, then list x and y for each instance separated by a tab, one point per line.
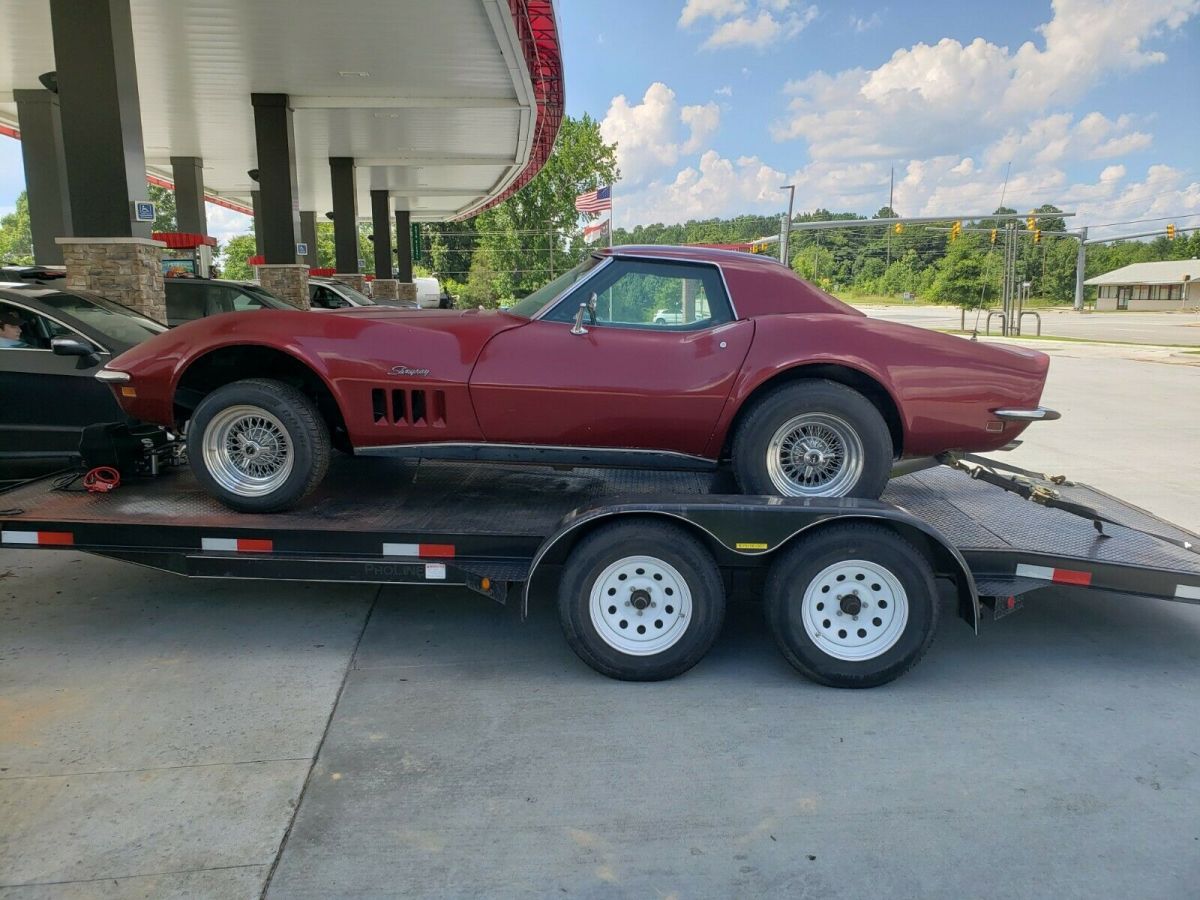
994	536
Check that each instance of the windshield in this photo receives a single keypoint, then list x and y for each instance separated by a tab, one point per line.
112	320
531	305
357	296
269	300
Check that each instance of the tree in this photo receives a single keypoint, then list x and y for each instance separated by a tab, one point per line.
164	209
233	260
16	238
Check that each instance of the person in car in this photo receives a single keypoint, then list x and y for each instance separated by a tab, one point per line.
10	330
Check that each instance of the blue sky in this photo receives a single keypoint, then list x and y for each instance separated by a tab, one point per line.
715	103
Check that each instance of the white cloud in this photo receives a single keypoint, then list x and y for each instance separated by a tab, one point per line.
736	24
694	10
724	91
715	186
650	135
948	96
865	23
225	223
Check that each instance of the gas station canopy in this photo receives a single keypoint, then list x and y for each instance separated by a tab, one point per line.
449	105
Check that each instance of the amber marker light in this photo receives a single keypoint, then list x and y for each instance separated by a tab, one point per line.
128	392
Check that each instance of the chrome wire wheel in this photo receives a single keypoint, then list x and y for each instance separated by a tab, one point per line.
815	455
248	451
855	610
640	605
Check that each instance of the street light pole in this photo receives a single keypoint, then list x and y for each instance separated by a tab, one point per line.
787	225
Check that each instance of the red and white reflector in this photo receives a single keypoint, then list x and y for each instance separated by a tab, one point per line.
38	538
1187	592
1058	576
437	551
237	545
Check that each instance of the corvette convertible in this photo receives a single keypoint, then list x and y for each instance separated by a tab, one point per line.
641	357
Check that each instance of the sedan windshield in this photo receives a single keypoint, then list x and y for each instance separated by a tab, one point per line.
110	319
531	305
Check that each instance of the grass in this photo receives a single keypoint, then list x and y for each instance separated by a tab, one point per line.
893	300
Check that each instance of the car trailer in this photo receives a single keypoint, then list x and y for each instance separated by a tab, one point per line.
642	561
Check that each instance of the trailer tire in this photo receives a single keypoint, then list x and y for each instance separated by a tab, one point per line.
871	634
286	432
641	601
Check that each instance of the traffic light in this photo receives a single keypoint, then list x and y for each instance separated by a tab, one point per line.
899	228
955	231
993	235
1037	235
1031	223
1171	232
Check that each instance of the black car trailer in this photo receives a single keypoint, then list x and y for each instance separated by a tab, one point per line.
642	561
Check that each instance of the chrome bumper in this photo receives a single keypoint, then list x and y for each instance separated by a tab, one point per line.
1041	414
112	376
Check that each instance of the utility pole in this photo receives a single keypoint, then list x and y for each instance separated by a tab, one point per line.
1080	268
891	212
787	223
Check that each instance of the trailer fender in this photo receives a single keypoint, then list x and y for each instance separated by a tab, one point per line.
750	530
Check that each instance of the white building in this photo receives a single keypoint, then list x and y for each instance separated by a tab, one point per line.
1171	284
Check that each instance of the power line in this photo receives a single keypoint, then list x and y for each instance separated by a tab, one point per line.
1139	221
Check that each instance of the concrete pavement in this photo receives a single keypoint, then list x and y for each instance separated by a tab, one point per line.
159	737
1133	327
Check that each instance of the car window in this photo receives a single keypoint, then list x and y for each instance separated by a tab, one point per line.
245	300
110	319
323	297
651	294
356	297
22	329
185	302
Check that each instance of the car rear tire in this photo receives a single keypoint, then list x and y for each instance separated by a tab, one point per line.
258	445
813	438
852	606
641	601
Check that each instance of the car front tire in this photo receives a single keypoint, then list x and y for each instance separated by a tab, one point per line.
813	438
258	445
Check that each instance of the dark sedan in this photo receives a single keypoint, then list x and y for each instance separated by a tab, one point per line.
53	344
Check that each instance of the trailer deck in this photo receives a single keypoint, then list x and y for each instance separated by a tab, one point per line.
394	521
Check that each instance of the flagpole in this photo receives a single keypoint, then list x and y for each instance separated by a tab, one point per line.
611	213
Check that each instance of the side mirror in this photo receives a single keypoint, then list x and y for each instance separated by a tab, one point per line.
69	346
578	328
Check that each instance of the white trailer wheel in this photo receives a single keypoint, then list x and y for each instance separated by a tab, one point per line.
640	605
855	610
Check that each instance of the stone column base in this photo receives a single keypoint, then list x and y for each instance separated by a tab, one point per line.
406	290
356	280
125	270
384	289
287	281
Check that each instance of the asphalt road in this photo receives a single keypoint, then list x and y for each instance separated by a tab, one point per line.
169	738
1134	327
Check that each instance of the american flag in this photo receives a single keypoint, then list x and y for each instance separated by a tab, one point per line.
594	201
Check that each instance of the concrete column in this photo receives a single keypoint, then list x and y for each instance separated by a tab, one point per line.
188	173
345	214
101	116
276	145
687	304
381	223
45	172
404	273
124	269
357	281
308	235
287	281
256	208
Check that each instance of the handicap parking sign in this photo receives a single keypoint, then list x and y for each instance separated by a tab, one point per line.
143	211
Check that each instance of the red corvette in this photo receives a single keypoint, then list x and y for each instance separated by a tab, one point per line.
666	357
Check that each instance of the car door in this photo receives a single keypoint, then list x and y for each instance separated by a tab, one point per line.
47	399
186	301
624	380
